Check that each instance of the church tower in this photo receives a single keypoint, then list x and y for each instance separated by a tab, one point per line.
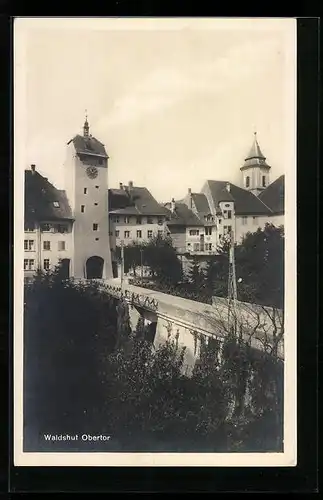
86	184
255	170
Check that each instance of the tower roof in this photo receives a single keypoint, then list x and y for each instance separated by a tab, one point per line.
255	157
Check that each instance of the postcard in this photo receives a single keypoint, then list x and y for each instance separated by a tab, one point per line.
155	242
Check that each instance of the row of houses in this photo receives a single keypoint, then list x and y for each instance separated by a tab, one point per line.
82	225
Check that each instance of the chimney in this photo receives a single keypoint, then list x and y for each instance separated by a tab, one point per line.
120	185
130	184
190	198
33	168
227	187
172	205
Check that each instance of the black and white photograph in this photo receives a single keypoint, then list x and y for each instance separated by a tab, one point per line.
155	241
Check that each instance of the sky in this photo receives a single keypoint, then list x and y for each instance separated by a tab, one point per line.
174	103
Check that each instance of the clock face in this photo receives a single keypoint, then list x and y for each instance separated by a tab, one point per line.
92	172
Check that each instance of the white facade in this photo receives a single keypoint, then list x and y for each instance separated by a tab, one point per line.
141	228
46	245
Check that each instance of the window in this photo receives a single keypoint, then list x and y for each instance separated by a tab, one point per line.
196	247
46	264
82	208
227	229
56	204
110	233
138	234
117	234
60	228
208	231
96	239
208	218
29	245
220	236
247	181
126	220
160	233
194	232
263	181
46	245
149	220
29	264
85	190
116	219
220	221
96	204
208	246
95	227
244	220
127	234
61	246
97	187
160	221
46	227
229	214
138	220
149	234
255	220
227	204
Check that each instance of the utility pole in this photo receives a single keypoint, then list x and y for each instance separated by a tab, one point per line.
141	268
232	284
122	263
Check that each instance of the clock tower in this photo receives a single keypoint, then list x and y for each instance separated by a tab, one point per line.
86	184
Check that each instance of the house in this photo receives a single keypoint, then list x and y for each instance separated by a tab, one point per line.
135	215
48	225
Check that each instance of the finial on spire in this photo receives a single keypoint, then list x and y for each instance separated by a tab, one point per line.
86	126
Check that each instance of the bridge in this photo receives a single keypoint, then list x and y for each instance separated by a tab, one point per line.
188	320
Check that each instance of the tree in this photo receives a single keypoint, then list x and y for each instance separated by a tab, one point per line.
160	255
259	260
69	329
196	277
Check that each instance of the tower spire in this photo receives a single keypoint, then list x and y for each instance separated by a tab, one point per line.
86	127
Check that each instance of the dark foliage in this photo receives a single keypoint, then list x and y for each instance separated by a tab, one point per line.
85	371
158	254
259	267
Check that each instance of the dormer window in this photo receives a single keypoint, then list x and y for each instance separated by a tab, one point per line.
56	204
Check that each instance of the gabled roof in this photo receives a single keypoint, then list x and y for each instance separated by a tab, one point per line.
40	196
182	216
274	195
245	202
88	145
201	204
134	201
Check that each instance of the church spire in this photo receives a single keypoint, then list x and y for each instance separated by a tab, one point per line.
86	126
255	151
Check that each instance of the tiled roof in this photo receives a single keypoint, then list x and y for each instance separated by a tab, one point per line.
40	196
274	195
182	216
246	203
201	203
134	201
88	145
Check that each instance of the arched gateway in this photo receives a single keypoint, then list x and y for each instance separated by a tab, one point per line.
94	267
